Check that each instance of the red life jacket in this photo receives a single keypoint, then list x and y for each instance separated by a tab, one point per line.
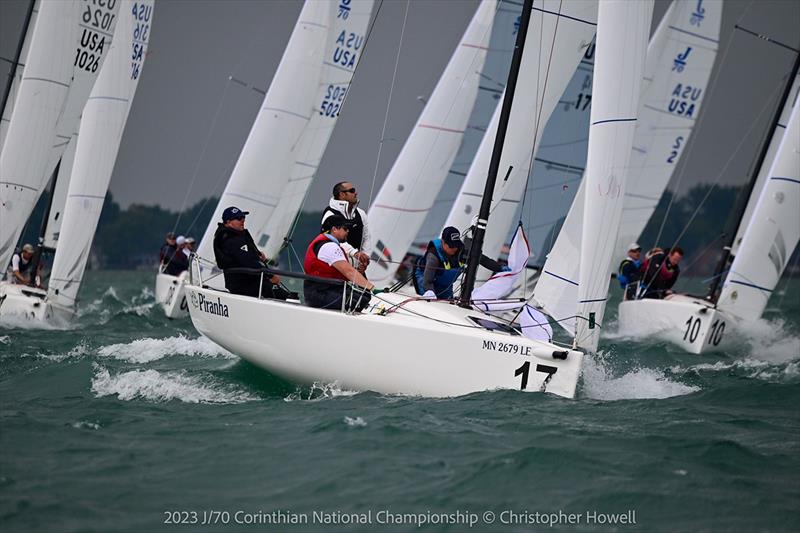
313	266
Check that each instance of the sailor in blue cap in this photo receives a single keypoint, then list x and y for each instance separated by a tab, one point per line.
234	248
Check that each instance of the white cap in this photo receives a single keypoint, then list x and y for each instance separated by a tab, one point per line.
634	246
189	240
180	240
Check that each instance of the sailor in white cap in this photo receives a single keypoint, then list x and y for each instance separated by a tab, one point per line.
21	264
630	270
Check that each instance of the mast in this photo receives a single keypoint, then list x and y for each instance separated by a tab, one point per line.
40	248
742	204
483	214
15	63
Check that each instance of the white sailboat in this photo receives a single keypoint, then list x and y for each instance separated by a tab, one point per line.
702	325
289	135
437	348
67	49
88	171
672	88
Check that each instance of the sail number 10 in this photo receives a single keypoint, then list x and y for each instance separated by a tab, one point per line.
693	330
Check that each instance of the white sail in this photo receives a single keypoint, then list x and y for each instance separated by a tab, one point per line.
557	288
559	162
669	111
19	71
559	35
345	44
102	124
490	94
763	172
67	48
403	202
772	234
622	32
59	195
266	159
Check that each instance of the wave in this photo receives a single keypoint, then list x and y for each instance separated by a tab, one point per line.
148	349
163	387
599	383
356	422
319	391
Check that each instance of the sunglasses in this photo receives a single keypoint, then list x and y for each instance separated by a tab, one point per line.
350	190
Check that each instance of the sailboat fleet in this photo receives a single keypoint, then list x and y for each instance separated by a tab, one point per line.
640	95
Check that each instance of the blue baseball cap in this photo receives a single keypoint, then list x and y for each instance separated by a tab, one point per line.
232	213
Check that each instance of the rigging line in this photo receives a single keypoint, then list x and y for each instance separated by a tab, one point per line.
724	168
540	99
296	220
699	255
389	101
210	133
700	121
788	279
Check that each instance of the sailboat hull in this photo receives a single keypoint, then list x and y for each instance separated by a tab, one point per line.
170	295
691	323
421	348
20	304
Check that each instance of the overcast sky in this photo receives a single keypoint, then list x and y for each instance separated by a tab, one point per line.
172	145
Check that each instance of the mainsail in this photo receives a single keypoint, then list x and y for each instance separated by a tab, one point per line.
101	127
771	235
345	45
407	195
622	31
19	70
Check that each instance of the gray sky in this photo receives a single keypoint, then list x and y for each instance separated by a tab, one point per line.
171	137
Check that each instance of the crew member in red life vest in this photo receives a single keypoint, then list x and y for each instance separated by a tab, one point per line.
325	258
661	272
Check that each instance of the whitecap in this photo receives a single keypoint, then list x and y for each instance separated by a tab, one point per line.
319	391
599	383
163	387
148	349
5	339
85	424
356	422
79	350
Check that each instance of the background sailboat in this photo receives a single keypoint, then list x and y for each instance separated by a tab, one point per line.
64	59
97	144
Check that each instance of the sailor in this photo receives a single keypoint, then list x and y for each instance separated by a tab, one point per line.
630	271
344	202
21	267
234	248
661	271
437	270
326	258
176	261
188	247
167	249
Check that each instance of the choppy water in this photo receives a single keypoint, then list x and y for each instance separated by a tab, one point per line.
128	421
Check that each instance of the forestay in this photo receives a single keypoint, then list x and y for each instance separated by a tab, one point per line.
560	33
345	44
671	102
67	48
267	156
407	194
622	32
771	235
101	129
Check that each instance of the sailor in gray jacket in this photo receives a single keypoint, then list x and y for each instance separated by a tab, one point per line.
345	203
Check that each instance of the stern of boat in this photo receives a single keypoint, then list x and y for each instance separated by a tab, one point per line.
691	323
170	294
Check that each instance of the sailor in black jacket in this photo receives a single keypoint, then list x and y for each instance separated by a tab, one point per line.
234	247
